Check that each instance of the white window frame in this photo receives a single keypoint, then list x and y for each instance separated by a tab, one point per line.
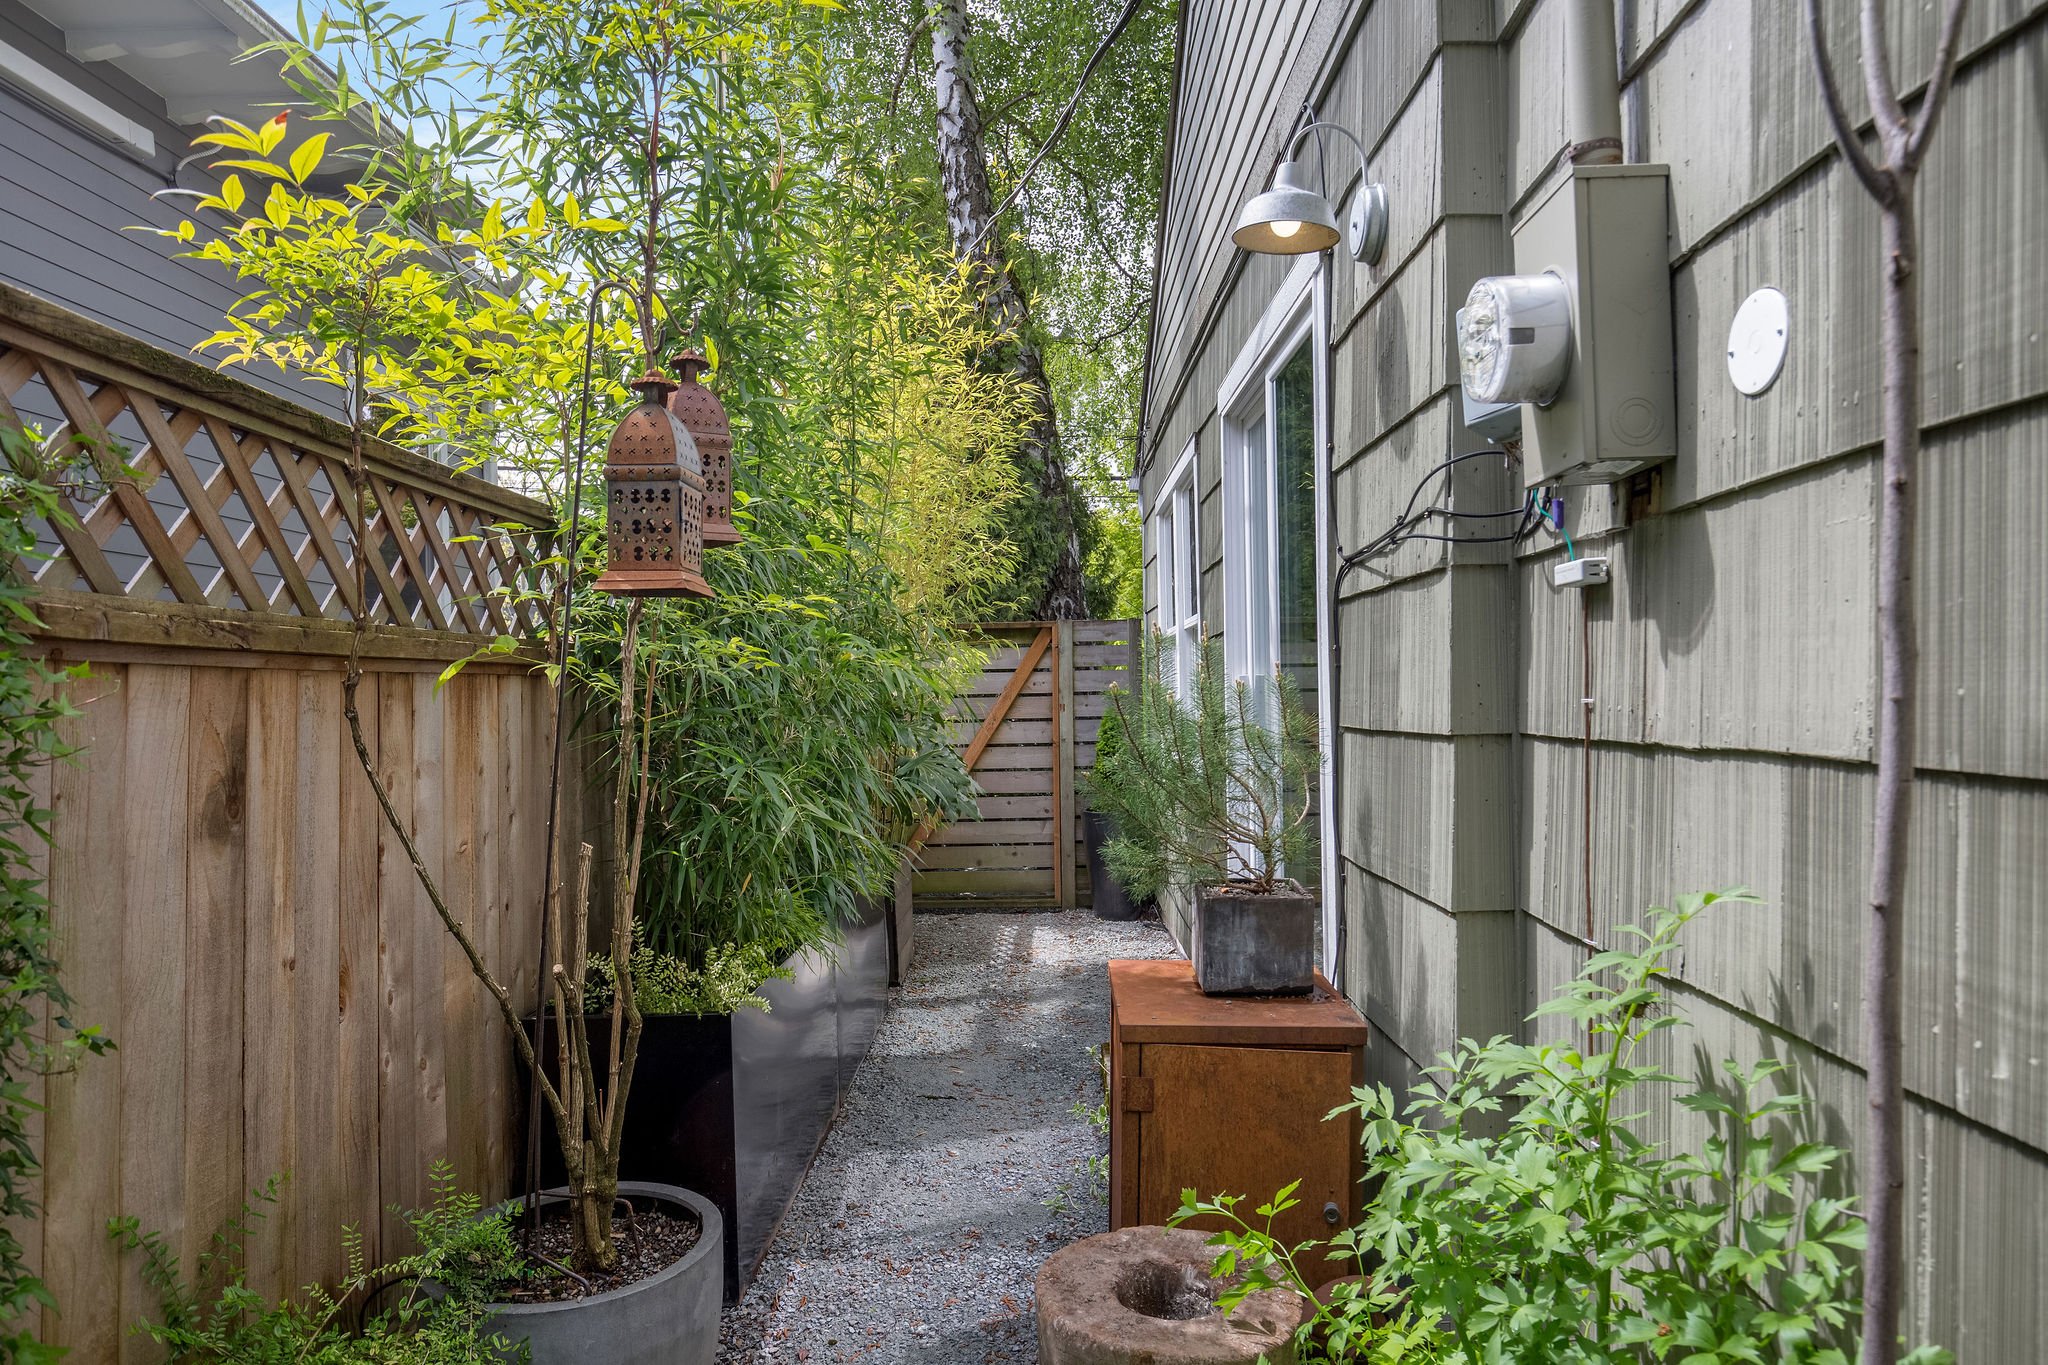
1298	312
1177	572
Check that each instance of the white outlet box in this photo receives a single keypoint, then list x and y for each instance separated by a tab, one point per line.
1579	573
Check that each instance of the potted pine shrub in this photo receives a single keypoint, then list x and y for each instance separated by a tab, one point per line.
1213	791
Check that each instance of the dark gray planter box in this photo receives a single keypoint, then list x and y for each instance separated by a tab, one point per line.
670	1318
736	1105
1254	945
1106	894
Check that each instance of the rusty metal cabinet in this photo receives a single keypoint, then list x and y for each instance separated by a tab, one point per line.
1227	1096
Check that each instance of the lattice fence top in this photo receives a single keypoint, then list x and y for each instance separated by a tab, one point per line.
194	489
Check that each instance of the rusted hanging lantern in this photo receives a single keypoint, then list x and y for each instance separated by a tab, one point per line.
654	502
698	408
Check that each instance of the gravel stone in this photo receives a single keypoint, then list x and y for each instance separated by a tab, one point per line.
958	1164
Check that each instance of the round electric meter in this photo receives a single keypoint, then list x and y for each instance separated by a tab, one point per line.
1515	338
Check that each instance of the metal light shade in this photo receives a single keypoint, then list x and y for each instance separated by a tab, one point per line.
1289	219
654	502
698	409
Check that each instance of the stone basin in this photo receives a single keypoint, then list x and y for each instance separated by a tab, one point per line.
1143	1296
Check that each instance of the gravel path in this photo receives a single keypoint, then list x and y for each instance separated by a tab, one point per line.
958	1164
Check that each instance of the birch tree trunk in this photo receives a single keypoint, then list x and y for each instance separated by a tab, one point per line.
963	179
1890	183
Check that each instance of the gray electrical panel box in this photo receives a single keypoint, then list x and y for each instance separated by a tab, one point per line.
1603	230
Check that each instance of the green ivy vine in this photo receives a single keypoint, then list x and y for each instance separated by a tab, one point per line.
37	1034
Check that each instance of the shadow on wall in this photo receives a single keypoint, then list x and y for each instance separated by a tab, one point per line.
1670	581
1390	344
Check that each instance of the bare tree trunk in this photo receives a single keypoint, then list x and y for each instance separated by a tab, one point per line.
1884	1178
963	179
1904	140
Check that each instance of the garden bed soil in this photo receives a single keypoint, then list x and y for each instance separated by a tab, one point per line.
650	1240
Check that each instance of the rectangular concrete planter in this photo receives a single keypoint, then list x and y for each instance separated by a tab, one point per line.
735	1106
1253	945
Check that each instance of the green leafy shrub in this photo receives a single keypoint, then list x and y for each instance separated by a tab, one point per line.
464	1255
1210	790
729	980
32	705
1570	1238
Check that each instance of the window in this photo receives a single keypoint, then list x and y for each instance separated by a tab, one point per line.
1270	516
1274	403
1176	576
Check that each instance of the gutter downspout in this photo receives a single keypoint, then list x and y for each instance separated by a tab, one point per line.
1592	75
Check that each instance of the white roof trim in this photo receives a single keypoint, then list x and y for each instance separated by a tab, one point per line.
48	87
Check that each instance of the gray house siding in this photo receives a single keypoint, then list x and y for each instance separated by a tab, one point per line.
67	200
1733	656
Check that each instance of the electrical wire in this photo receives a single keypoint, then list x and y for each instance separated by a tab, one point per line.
1407	526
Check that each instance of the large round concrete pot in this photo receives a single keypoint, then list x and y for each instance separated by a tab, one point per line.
1143	1296
669	1318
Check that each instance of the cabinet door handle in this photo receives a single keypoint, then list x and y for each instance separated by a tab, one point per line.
1137	1094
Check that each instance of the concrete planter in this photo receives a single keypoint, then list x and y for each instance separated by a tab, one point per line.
1254	945
736	1105
669	1318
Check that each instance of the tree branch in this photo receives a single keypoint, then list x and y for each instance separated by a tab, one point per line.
1885	109
1876	181
1938	82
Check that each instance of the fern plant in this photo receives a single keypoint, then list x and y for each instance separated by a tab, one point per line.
1212	789
432	1306
729	980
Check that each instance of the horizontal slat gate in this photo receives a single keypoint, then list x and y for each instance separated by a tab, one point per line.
1027	729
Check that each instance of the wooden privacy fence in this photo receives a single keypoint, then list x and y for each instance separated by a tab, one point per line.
1027	732
225	902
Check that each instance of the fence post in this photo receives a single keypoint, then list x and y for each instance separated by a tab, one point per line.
1064	805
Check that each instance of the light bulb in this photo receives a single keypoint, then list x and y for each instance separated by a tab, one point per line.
1286	228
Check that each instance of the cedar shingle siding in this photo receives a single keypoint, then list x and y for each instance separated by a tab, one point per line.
1734	655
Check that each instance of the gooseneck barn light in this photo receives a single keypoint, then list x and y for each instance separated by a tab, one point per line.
1290	219
1515	338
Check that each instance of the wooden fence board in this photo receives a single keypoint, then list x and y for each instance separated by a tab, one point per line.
89	895
154	968
359	987
216	879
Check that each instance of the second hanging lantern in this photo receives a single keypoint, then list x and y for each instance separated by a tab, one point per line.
654	502
698	409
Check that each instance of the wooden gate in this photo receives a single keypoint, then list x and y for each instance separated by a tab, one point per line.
1027	732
